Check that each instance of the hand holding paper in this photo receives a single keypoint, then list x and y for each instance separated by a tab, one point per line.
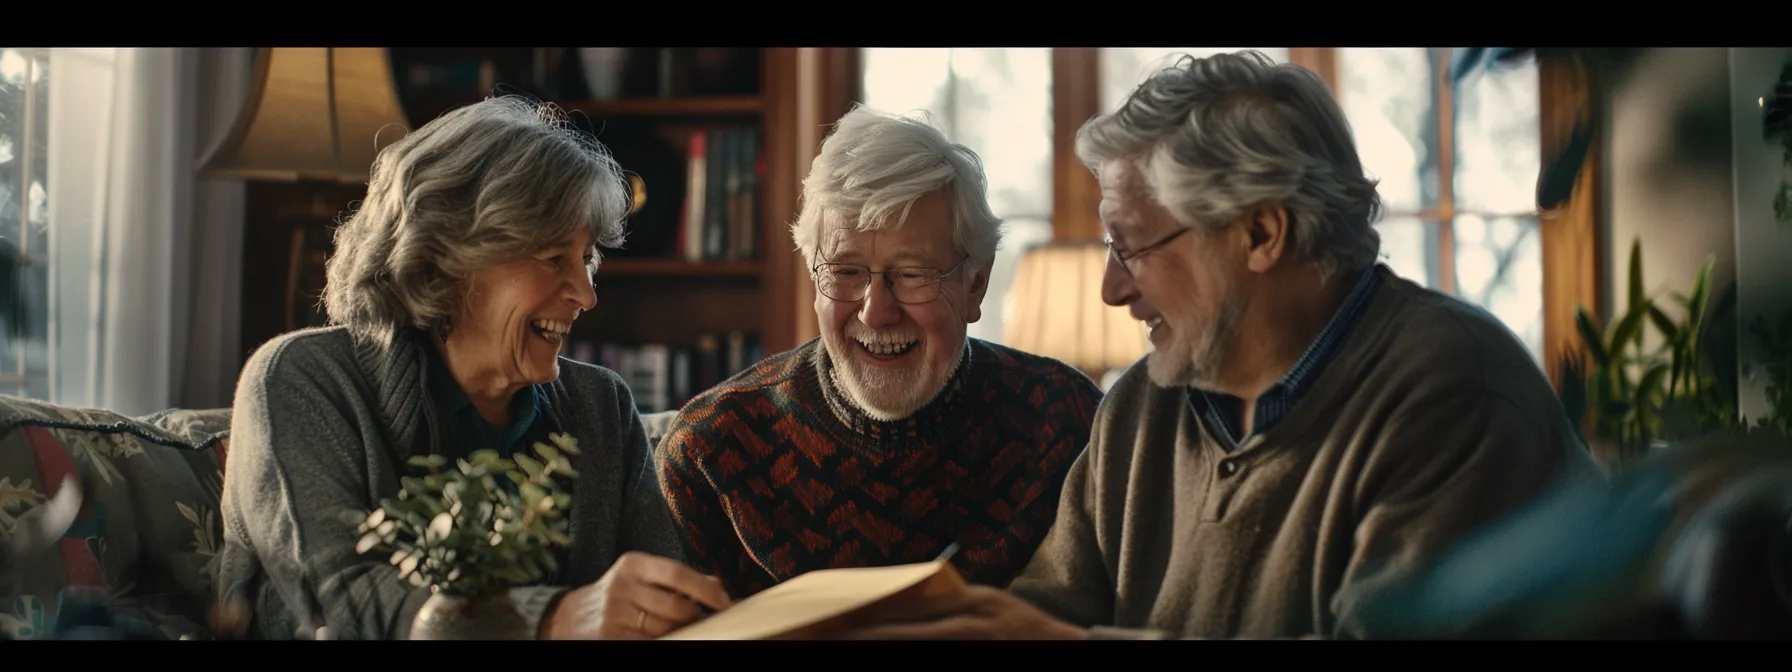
823	601
642	596
919	601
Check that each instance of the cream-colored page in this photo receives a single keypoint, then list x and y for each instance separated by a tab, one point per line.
807	600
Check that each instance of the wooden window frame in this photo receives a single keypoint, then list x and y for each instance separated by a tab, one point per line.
807	90
1568	235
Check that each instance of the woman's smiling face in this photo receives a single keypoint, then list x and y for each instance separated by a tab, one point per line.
516	314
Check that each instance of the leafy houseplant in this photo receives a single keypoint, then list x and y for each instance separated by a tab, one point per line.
1774	360
1775	355
1776	120
466	538
1630	398
1695	392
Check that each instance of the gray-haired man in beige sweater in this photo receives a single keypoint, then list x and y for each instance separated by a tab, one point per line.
1308	426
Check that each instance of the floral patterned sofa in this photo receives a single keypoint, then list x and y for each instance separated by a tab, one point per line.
143	543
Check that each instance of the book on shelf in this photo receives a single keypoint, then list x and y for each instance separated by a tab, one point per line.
696	194
664	378
720	217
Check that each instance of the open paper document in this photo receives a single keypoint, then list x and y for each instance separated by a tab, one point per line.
810	604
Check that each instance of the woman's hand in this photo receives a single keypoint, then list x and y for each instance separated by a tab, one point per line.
641	597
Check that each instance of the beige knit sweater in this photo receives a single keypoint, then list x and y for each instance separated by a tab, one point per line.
1431	420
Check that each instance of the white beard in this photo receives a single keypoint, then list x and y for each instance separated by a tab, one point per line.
1196	351
887	394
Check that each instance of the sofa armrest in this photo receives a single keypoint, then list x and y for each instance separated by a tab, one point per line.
656	425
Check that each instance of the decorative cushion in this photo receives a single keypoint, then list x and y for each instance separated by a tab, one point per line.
657	424
148	530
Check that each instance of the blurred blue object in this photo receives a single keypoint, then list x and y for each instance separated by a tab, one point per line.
90	615
1692	543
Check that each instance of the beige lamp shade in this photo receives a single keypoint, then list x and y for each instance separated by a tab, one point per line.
312	114
1055	310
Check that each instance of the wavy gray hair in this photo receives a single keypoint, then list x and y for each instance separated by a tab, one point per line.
1217	136
481	185
875	165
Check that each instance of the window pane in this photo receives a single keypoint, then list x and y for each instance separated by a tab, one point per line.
998	103
24	230
1124	68
1499	267
13	65
1002	109
1386	94
1408	246
909	80
1497	147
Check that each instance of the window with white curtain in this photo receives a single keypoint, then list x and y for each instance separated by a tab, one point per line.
998	102
55	112
25	253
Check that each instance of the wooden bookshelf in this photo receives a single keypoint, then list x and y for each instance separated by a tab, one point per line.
673	298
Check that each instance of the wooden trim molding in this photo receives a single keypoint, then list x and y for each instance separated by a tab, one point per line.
1323	61
807	89
783	280
1570	234
1076	98
1445	97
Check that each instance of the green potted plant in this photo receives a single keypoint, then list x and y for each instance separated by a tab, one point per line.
1629	398
469	539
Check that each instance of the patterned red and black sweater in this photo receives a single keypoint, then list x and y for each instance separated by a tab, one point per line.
773	473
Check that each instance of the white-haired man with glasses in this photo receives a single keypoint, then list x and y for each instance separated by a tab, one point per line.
893	436
1309	426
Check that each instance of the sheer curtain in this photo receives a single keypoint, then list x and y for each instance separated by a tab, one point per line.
144	258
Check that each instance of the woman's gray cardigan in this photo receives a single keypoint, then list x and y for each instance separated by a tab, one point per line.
324	422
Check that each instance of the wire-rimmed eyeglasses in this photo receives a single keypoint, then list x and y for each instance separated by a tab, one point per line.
909	284
1123	256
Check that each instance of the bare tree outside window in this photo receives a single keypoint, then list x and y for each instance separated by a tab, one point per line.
52	277
24	222
1457	170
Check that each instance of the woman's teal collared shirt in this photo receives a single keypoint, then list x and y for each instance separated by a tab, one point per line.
462	416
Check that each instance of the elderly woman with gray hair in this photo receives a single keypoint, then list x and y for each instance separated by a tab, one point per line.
450	291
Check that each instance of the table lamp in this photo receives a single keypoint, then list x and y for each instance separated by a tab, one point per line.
316	116
313	114
1055	310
